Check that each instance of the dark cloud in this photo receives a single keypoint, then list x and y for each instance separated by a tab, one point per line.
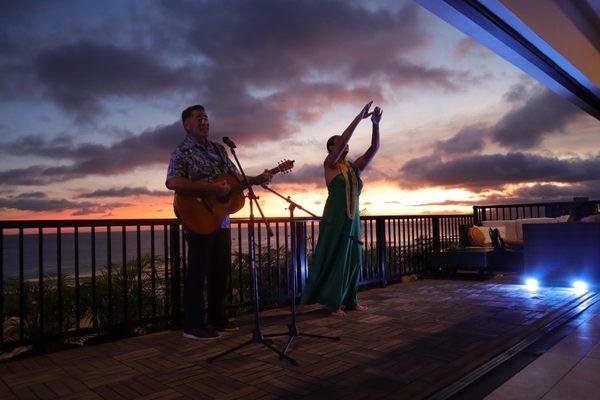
536	113
18	75
273	63
551	192
263	69
449	203
21	10
486	171
260	67
23	176
274	42
251	121
32	195
468	46
39	202
530	194
467	140
18	86
105	209
123	192
306	174
149	148
373	173
522	91
34	204
79	76
313	174
446	212
542	114
60	147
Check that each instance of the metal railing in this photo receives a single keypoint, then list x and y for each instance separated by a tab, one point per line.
70	278
528	210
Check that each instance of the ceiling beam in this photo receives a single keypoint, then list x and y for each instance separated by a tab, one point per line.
497	27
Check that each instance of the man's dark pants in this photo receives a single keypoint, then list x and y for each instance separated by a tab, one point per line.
209	259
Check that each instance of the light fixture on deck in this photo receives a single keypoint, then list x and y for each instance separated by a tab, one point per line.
532	284
580	287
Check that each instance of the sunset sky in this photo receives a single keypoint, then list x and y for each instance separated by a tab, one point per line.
91	95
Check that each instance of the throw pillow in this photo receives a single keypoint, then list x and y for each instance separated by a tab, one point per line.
591	218
479	236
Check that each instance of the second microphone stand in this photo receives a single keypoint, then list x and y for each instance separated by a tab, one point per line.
293	331
257	336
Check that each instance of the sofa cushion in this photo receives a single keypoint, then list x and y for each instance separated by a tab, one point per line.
591	218
523	221
509	226
514	227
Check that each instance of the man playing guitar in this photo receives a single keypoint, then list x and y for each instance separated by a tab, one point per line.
194	166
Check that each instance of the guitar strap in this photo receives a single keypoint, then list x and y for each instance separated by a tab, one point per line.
214	149
217	150
223	156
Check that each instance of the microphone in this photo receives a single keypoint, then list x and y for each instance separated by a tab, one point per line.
228	142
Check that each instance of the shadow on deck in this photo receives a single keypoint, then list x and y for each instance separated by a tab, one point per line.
416	339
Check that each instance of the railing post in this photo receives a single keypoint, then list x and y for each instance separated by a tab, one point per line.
2	287
300	256
437	242
381	250
475	216
175	274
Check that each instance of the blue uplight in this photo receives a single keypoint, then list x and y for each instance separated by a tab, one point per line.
532	284
580	286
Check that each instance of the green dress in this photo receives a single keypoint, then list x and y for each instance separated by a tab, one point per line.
335	271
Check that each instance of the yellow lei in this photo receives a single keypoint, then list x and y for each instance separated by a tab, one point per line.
351	183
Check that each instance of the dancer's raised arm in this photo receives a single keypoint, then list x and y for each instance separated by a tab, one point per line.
364	160
340	144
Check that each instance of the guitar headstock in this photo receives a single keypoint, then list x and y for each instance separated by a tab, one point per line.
285	166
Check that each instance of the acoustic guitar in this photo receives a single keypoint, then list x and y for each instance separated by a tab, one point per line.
205	214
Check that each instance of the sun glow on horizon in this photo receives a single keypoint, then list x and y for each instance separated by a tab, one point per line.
377	198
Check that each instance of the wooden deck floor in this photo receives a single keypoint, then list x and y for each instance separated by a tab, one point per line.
417	338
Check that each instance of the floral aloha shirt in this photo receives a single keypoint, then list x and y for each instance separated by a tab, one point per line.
193	161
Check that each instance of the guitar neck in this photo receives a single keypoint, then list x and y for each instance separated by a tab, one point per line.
282	167
274	171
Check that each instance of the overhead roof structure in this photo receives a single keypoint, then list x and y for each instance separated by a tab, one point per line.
556	42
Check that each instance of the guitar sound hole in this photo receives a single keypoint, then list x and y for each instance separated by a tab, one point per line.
223	199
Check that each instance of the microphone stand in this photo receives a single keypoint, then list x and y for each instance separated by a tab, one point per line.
293	331
257	336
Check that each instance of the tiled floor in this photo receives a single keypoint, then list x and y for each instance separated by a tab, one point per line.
416	339
569	370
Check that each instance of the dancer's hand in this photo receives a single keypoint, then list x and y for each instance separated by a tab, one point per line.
376	115
364	113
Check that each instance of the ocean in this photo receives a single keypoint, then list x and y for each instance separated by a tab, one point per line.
11	251
239	240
